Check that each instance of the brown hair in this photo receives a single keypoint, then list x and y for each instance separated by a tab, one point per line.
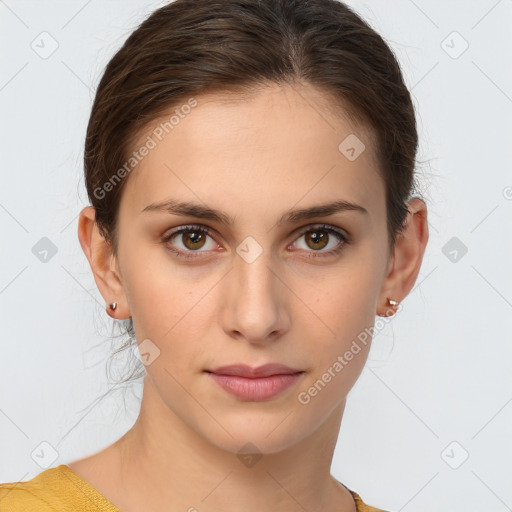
189	47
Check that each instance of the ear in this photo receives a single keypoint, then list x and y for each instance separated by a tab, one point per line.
103	263
407	257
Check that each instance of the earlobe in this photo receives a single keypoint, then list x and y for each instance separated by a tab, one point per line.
103	263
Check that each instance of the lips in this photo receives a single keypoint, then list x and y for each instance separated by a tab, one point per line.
242	370
255	384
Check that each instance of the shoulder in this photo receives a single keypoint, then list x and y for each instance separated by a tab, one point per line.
39	494
361	506
56	489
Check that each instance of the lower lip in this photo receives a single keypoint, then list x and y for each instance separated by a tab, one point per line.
256	389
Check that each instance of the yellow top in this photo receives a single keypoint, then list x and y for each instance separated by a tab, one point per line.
60	489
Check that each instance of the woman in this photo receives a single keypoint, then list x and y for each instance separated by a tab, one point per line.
250	167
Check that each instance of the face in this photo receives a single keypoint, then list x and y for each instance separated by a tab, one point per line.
254	285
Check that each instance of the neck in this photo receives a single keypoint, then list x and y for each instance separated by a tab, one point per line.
167	466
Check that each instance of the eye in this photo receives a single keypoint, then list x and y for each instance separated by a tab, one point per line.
192	239
319	237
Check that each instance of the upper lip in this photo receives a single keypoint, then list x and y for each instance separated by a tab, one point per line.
242	370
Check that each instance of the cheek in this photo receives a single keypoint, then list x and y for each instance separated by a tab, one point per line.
337	354
340	325
169	304
344	299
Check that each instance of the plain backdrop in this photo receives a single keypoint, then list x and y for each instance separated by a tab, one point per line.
427	426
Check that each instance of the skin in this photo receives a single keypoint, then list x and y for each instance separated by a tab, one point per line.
254	157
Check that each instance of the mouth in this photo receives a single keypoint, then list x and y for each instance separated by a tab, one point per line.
255	384
266	370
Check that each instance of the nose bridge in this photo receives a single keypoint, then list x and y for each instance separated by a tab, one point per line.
253	270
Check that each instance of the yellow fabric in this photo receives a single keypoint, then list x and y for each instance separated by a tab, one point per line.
61	490
53	490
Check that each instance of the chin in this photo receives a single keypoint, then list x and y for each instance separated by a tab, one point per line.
254	433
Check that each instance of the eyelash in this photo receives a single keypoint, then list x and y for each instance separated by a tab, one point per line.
195	228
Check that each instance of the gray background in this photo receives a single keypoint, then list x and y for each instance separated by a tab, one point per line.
427	426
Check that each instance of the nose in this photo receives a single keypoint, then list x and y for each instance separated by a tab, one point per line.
255	306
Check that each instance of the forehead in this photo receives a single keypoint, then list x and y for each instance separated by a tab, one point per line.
274	145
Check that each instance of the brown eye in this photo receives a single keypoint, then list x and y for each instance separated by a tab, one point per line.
187	240
193	240
318	239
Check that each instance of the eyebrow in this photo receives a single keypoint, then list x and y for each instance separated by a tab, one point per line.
187	208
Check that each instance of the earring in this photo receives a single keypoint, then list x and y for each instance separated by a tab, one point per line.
393	304
113	306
